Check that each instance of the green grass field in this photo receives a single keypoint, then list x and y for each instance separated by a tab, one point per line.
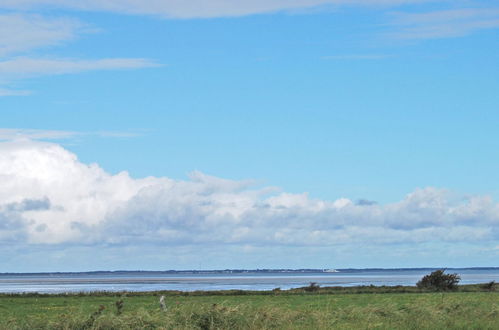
276	310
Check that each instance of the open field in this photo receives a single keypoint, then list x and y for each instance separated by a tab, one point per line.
322	309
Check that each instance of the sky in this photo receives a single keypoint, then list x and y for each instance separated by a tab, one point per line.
220	134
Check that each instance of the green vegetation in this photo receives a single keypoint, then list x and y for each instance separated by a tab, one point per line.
470	307
439	281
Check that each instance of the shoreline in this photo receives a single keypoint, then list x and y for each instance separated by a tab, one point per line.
311	289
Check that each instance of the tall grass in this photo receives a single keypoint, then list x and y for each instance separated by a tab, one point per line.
299	311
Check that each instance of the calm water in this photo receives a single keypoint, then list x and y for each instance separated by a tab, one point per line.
56	283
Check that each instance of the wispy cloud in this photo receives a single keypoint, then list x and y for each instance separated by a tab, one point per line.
13	92
198	8
24	32
357	57
21	34
16	134
443	24
29	67
33	134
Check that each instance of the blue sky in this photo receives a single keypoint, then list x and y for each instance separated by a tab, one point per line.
242	108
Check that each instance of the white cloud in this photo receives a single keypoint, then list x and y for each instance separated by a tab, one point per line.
29	67
16	134
444	23
24	32
27	134
195	8
357	57
48	196
79	194
13	92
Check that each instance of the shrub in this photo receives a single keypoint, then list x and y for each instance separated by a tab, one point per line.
119	307
491	286
439	281
95	315
313	287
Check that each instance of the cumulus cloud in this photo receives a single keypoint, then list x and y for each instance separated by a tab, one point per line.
195	8
365	202
29	205
49	197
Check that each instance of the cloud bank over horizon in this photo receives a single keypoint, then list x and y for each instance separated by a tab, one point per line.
49	198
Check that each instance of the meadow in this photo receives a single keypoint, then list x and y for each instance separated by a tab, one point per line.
470	307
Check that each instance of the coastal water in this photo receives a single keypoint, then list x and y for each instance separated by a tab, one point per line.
152	281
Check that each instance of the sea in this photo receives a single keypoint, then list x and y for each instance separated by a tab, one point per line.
224	279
